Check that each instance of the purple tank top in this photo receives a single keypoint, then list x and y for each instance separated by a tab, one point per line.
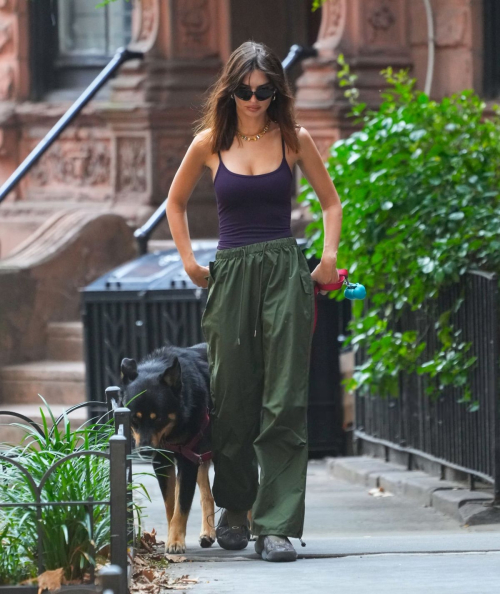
253	208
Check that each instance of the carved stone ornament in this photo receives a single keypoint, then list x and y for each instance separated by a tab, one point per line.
6	83
332	23
5	35
381	19
132	175
145	24
193	23
82	164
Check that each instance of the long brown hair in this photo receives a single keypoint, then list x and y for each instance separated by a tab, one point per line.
219	110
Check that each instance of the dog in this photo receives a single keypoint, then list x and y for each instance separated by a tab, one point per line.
168	394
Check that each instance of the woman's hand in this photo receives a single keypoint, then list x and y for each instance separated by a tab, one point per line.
325	273
198	274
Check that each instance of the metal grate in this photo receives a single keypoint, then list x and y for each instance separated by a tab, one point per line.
444	430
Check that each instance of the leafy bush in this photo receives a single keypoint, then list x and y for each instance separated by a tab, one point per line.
419	183
66	529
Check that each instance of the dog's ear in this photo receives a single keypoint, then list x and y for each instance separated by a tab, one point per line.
128	370
172	375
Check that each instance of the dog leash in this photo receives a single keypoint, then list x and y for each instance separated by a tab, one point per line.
328	287
353	290
187	449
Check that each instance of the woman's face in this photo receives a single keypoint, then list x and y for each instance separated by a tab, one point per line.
253	81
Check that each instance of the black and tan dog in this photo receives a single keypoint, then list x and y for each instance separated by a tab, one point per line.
168	394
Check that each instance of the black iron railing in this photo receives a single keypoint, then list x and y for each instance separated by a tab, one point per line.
122	55
446	431
114	577
143	234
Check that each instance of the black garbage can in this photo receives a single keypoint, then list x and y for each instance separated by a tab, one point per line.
149	302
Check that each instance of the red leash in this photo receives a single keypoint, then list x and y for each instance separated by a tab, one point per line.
187	449
329	287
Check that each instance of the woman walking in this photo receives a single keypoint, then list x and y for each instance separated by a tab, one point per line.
259	315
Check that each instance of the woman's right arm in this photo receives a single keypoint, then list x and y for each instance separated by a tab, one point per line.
187	176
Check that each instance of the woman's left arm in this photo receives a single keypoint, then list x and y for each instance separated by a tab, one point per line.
314	170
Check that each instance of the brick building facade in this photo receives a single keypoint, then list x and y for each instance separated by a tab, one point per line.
72	217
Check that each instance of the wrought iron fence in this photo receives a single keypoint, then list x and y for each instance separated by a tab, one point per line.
444	430
114	577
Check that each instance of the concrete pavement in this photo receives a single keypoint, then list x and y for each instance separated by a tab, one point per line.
356	543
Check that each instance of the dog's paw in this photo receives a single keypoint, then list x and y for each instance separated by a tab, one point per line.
206	540
175	546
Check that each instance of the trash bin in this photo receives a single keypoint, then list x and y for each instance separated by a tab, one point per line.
149	302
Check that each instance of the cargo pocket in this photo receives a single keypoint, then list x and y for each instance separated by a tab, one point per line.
211	280
305	277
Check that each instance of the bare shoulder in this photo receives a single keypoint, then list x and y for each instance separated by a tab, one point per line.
201	146
306	142
202	140
303	135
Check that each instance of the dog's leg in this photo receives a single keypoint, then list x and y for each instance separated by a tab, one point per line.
184	493
165	473
207	535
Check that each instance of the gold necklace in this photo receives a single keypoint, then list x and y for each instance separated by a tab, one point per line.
257	136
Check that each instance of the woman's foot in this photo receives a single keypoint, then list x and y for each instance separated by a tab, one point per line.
275	548
234	535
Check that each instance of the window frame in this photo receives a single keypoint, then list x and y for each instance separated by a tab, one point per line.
51	72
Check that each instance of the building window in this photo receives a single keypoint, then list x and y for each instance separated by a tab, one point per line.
72	41
491	49
84	30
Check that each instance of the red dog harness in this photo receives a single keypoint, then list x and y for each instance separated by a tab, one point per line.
330	287
187	449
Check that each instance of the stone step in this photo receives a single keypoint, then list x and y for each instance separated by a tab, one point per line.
20	219
57	381
10	434
65	341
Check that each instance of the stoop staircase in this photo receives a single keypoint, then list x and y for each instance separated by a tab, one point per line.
60	379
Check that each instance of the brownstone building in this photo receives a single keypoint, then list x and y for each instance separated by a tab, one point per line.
72	216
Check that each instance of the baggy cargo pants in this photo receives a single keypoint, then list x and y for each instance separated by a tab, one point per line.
258	324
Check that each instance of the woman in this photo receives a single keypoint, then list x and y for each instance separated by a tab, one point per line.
258	319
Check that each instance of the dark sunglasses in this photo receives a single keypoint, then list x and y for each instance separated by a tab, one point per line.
245	93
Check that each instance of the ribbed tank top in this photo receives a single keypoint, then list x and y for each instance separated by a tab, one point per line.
253	208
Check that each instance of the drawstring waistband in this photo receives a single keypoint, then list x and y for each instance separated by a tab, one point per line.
243	251
243	288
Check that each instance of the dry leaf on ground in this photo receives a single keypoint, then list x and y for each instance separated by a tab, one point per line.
149	581
379	492
50	580
176	558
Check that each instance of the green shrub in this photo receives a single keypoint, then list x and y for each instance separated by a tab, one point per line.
66	529
419	184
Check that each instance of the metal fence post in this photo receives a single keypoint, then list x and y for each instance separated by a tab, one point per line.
110	577
118	511
122	427
112	394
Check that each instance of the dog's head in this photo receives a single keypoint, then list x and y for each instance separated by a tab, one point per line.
152	392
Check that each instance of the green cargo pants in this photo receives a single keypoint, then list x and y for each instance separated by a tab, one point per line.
258	324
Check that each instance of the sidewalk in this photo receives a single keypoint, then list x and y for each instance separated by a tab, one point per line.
356	543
